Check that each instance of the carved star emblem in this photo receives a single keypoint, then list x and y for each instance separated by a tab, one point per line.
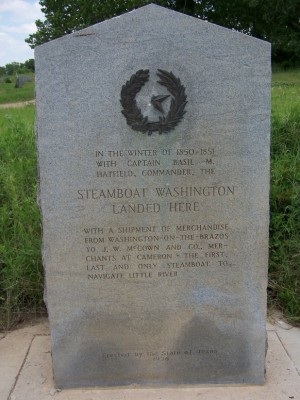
157	100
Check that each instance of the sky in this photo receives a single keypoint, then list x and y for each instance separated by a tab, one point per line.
17	21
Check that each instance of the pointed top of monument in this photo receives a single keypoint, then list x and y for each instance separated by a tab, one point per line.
153	19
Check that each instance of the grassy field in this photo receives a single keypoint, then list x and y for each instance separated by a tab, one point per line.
21	277
284	265
10	94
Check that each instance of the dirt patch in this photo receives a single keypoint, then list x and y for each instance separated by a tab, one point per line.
17	104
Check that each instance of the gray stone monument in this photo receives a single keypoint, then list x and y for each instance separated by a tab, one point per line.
153	147
21	80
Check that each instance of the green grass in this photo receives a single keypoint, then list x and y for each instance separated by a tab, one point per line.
284	265
21	278
10	94
285	93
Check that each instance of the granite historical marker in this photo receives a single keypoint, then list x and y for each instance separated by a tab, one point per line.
153	147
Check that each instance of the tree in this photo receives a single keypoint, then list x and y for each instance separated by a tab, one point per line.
29	64
277	21
273	20
12	68
17	68
283	27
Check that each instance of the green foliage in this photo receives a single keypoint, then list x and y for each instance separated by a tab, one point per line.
14	68
281	18
285	195
21	279
9	94
29	65
276	21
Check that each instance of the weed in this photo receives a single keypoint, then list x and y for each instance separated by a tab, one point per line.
284	264
21	279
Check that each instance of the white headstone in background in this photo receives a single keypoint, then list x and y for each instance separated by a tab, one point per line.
153	145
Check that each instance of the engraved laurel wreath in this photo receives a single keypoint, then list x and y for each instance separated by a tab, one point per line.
134	117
